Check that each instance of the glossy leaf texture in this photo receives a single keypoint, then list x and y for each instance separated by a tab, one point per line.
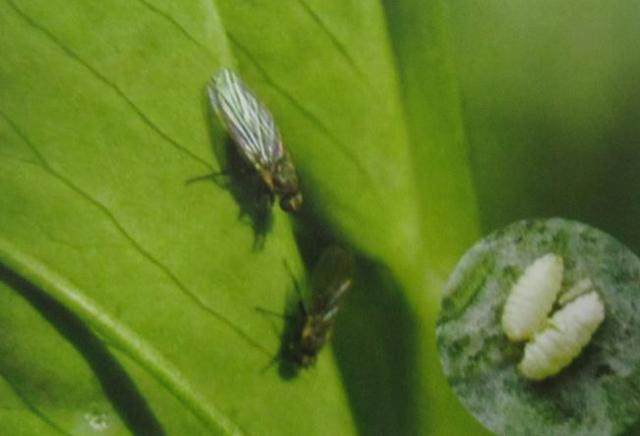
132	286
373	123
149	282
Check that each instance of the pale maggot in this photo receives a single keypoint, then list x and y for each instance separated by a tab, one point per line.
531	298
568	332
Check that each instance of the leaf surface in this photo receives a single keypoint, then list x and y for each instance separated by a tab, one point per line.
369	107
102	126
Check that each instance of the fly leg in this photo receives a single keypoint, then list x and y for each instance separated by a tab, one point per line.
274	314
220	178
277	357
301	305
286	352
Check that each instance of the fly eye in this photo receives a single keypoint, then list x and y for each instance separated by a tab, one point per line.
291	203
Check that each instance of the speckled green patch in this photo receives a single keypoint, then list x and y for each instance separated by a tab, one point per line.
599	393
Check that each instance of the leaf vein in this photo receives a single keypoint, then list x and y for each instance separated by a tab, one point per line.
123	338
334	39
177	25
74	56
33	408
305	112
197	300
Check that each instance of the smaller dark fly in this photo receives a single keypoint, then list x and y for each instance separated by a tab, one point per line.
331	279
254	132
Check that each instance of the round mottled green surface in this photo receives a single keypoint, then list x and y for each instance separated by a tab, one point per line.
599	392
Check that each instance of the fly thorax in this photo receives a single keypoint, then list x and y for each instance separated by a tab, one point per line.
268	178
307	337
285	177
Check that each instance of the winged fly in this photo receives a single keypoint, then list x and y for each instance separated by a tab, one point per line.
255	134
309	328
331	279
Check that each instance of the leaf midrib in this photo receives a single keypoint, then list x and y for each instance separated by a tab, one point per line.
118	335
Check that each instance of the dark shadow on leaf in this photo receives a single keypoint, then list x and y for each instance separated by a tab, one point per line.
375	345
374	340
288	328
119	388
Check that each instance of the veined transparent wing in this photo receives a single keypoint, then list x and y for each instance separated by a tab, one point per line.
249	123
331	279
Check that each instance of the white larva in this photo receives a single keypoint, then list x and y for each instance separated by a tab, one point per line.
532	297
581	287
569	331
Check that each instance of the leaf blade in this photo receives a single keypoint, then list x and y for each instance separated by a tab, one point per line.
95	188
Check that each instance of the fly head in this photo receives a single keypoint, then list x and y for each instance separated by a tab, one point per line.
286	184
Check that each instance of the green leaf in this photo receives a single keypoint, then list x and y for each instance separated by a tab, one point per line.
103	121
102	126
373	123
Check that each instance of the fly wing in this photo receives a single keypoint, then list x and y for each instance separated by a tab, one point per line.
331	279
248	122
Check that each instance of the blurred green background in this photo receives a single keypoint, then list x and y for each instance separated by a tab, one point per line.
551	102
